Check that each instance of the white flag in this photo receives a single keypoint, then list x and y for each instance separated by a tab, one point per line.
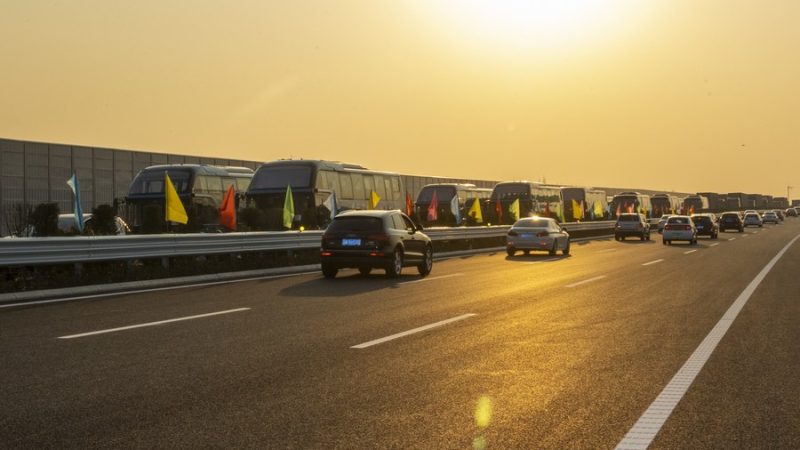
330	203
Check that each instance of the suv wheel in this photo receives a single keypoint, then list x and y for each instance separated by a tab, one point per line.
364	270
510	251
329	271
427	262
565	252
553	250
395	267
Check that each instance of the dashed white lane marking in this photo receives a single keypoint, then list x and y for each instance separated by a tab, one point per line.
714	244
688	252
650	423
731	239
432	278
543	261
606	250
745	235
653	262
586	281
152	324
415	330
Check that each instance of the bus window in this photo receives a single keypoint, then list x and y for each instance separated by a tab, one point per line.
200	184
214	184
228	182
153	182
369	185
242	184
347	185
358	186
380	186
396	194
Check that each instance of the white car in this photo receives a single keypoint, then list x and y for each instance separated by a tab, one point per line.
770	217
663	221
679	228
537	233
753	219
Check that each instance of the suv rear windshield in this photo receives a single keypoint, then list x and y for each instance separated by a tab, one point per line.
629	218
701	219
355	224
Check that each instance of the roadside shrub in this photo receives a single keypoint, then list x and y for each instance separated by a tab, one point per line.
44	219
103	220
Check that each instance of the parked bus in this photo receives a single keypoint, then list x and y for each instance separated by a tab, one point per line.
453	202
695	204
631	202
201	189
593	204
312	182
535	199
664	204
716	202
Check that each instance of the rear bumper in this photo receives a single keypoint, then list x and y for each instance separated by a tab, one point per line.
678	235
355	259
626	233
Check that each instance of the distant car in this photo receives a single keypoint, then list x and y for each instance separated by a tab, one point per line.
631	225
537	233
750	211
367	240
731	221
662	221
706	225
780	214
753	219
770	217
679	228
791	212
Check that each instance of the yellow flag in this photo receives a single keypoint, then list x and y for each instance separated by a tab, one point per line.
513	210
175	210
598	209
475	211
577	210
373	199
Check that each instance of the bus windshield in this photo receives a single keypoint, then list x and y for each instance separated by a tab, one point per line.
278	177
152	182
511	191
443	194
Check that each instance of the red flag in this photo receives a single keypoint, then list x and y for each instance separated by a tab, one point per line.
227	211
433	208
409	205
691	210
628	208
618	210
498	209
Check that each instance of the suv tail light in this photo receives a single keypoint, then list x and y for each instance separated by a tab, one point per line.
376	240
543	234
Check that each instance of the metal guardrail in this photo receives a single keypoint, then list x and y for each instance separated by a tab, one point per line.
17	252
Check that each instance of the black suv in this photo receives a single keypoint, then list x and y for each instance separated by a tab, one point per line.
366	240
731	221
706	225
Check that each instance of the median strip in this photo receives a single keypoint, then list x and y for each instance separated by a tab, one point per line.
653	262
410	332
152	324
643	432
585	281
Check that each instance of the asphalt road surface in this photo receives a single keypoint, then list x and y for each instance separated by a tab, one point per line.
486	352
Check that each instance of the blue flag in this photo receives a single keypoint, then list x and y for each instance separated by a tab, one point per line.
76	191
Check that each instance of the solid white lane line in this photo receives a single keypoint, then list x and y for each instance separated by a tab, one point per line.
607	250
585	281
653	262
415	330
144	291
432	278
650	423
714	244
731	239
690	251
152	324
543	260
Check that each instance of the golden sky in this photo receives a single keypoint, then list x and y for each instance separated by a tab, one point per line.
688	95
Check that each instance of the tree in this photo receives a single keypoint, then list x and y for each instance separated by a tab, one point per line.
103	222
44	219
17	218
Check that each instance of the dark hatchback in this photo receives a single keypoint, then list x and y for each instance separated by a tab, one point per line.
706	225
731	221
367	240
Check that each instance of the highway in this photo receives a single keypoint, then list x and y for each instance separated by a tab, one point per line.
487	352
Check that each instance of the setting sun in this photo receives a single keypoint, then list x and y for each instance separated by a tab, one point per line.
536	23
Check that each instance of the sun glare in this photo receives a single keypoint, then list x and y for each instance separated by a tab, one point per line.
536	23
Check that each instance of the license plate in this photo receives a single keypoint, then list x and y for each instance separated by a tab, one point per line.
699	227
525	235
351	242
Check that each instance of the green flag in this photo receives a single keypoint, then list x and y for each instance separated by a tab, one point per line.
513	210
288	208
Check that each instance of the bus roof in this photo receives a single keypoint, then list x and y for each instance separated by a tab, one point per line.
202	169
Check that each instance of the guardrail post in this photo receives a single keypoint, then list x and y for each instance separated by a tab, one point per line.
165	262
